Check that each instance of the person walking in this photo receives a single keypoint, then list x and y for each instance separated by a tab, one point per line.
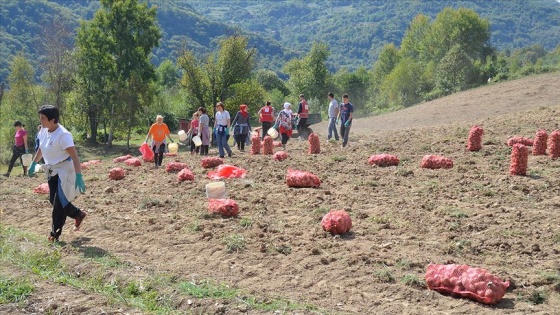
333	116
158	131
204	130
241	127
223	123
20	148
193	132
266	117
302	114
62	167
284	122
346	110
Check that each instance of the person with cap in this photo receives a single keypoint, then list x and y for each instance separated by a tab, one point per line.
346	110
20	148
158	131
266	117
241	127
223	123
284	124
63	170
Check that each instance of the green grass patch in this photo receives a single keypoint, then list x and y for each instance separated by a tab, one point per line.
14	290
412	280
234	243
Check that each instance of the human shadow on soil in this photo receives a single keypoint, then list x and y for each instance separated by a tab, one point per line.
88	251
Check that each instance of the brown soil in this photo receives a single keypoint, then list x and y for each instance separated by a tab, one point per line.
404	217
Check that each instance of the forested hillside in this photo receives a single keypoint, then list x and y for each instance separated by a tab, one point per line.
355	31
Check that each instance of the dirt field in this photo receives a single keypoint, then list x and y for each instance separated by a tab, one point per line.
404	217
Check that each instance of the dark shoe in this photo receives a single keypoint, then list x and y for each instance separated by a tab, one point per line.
79	220
221	156
6	174
229	154
53	238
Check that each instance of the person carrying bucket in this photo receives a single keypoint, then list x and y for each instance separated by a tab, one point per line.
193	132
158	131
266	117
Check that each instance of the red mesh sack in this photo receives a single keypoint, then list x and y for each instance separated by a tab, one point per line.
461	280
337	222
225	207
147	152
314	144
521	140
519	159
280	156
383	160
554	145
42	189
302	179
174	167
539	145
210	162
436	162
227	171
474	142
256	144
268	146
133	162
88	164
116	173
184	175
277	144
84	165
121	159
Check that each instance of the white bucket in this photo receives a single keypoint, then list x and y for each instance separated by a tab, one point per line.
173	148
26	159
197	141
273	133
38	168
182	135
216	190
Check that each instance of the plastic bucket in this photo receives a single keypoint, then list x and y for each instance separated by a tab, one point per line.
173	148
197	141
273	133
26	159
182	135
216	190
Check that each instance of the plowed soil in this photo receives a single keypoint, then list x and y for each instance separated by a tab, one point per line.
404	217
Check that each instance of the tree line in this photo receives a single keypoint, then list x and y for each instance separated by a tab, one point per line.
108	88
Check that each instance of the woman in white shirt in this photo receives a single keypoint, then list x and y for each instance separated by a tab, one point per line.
62	166
223	123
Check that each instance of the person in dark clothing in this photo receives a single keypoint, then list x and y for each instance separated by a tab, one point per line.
241	127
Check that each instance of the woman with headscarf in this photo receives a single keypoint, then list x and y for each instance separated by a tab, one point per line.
158	132
284	122
241	127
20	147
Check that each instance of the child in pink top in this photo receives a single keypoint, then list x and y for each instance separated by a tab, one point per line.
20	147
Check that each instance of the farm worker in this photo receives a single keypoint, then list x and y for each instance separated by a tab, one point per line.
204	130
62	167
266	117
284	122
346	110
193	131
20	147
333	115
223	123
241	127
158	131
302	114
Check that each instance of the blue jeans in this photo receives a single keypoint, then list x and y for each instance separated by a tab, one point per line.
344	131
221	139
332	128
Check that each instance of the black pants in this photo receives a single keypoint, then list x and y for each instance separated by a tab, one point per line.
240	141
265	126
194	148
301	126
59	212
158	154
285	138
17	152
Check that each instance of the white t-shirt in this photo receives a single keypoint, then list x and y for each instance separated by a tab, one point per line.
53	145
222	117
333	108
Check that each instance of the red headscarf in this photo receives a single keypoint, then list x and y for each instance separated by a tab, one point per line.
243	110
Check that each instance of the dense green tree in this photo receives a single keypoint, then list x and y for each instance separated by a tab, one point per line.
248	92
127	32
356	85
401	87
455	72
269	80
412	45
167	74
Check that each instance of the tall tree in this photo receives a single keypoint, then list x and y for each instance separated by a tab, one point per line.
128	32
